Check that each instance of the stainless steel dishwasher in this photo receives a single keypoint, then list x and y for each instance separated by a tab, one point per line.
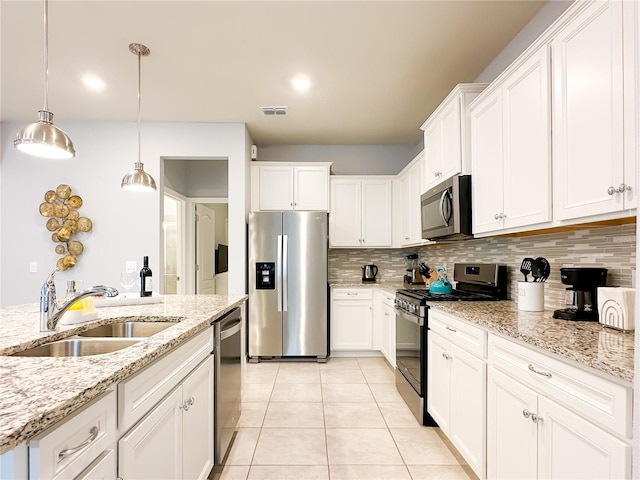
227	380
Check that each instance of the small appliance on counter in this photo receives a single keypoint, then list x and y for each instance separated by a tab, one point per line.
413	275
581	296
369	273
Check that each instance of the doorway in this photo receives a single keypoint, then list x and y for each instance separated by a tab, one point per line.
173	240
196	185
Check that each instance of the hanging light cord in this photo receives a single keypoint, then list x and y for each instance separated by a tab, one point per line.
139	74
46	55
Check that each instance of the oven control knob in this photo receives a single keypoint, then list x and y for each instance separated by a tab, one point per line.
412	308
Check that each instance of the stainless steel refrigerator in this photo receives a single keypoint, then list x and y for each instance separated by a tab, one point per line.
288	284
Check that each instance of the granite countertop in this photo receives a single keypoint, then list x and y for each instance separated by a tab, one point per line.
37	392
588	343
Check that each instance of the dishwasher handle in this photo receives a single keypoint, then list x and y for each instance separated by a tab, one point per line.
227	317
230	329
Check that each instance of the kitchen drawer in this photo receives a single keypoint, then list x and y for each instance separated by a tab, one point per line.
70	446
387	298
352	293
139	393
104	467
468	337
597	399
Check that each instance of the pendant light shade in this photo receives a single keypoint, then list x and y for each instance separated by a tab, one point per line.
138	180
43	138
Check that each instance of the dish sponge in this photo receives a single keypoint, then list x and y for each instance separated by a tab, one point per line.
80	312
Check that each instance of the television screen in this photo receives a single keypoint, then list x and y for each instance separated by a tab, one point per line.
222	258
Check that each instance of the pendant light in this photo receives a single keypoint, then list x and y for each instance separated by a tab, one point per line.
43	138
138	180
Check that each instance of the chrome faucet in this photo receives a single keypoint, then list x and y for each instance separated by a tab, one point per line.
51	312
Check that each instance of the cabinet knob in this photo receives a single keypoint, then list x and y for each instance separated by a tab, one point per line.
406	238
446	356
611	190
295	204
187	404
526	413
623	188
535	418
496	216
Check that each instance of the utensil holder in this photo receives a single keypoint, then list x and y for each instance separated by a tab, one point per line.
531	296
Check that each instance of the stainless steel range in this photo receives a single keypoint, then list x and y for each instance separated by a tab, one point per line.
475	282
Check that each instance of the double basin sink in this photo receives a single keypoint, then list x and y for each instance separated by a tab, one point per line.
98	340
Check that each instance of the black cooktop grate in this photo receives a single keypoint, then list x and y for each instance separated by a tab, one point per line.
455	295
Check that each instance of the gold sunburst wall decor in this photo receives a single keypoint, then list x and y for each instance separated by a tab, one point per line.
64	221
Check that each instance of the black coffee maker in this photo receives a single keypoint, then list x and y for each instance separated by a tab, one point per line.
581	300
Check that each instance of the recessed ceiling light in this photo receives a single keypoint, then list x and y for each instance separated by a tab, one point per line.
93	82
301	83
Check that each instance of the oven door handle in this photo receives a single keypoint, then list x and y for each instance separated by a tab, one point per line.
411	318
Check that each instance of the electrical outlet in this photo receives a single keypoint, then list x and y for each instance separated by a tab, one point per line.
131	266
33	267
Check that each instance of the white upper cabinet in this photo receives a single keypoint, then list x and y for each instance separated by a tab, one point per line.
410	181
446	136
285	186
360	214
510	148
593	65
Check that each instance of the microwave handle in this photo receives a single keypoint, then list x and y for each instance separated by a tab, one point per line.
443	199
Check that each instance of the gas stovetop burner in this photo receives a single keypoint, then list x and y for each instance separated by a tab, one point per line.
455	295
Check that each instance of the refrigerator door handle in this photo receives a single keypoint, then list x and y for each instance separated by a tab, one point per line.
279	273
285	273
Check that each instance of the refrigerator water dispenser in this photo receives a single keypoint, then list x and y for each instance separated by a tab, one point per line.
265	275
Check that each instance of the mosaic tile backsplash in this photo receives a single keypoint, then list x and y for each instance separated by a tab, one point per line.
611	247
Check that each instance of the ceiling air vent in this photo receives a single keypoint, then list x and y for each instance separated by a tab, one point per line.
277	111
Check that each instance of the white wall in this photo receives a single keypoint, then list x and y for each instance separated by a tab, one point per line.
203	177
532	30
347	159
127	225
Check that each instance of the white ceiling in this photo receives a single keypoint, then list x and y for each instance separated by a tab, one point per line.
379	68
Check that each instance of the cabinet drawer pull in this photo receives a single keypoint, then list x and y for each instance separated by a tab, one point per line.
352	294
544	374
451	329
93	434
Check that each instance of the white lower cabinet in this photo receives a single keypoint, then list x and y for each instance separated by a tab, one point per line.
456	385
105	467
351	319
531	434
69	448
175	439
153	448
384	324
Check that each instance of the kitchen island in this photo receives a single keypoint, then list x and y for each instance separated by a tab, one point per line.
38	392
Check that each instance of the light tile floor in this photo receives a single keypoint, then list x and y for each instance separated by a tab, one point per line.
341	420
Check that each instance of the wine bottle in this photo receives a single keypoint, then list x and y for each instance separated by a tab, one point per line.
146	281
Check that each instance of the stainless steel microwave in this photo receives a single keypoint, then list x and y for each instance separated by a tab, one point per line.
446	210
